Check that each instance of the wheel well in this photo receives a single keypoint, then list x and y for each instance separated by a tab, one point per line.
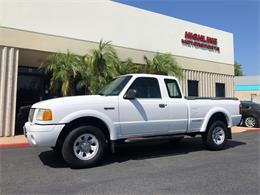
93	121
249	115
219	116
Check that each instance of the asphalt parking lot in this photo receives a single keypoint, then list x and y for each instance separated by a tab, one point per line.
160	167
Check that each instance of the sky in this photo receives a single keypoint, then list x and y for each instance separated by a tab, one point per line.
240	17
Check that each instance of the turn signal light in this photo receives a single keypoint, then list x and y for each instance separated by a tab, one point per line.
44	115
47	115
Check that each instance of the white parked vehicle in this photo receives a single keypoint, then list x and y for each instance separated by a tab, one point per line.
135	105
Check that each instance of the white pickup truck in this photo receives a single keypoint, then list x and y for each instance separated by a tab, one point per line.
135	105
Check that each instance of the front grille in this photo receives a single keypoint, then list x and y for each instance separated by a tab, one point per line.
31	114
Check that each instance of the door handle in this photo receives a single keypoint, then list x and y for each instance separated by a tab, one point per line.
162	105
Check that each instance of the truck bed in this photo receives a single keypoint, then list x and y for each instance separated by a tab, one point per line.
210	98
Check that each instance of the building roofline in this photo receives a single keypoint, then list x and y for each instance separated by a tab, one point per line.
167	16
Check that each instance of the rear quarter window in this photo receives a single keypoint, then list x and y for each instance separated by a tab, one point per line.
172	88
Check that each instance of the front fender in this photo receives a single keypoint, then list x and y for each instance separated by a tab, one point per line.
211	113
92	113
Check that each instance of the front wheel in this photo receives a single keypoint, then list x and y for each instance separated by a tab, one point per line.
216	136
84	147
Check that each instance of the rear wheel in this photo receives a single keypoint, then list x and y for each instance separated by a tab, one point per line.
250	121
84	147
215	137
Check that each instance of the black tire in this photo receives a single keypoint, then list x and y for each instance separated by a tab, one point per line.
207	137
68	147
57	149
250	122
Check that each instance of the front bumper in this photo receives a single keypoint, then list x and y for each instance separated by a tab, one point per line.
42	135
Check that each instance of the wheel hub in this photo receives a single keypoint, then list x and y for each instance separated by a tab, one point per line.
86	146
250	122
218	135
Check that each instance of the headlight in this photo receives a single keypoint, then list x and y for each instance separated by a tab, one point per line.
44	115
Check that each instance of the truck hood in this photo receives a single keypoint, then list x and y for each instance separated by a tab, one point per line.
71	100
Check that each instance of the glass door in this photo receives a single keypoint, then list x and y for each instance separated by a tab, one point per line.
30	89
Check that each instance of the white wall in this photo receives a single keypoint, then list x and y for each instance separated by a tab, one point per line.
124	25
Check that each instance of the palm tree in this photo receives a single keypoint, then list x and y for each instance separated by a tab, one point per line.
127	67
162	63
238	71
63	69
101	66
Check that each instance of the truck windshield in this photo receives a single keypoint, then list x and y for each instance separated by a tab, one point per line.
115	86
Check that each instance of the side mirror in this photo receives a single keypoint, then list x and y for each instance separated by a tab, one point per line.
130	94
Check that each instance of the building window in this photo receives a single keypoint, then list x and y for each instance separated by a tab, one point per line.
220	90
193	88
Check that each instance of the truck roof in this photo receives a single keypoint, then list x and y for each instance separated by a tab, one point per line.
151	75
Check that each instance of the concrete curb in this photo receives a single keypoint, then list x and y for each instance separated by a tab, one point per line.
253	130
14	145
13	142
244	129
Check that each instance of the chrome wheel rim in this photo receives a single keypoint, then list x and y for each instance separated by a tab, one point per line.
218	135
86	146
250	122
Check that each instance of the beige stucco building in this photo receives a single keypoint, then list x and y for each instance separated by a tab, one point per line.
247	88
30	30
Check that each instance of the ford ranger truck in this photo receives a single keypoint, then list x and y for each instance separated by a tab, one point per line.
134	105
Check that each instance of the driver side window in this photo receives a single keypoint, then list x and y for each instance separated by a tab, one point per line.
146	87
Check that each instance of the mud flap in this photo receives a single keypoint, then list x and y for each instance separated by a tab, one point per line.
113	147
229	133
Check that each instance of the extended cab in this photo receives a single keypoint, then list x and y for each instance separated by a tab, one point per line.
135	105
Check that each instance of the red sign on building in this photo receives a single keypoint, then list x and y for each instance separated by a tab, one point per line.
200	41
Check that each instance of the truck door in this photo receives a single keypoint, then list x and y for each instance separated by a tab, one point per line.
146	113
177	107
